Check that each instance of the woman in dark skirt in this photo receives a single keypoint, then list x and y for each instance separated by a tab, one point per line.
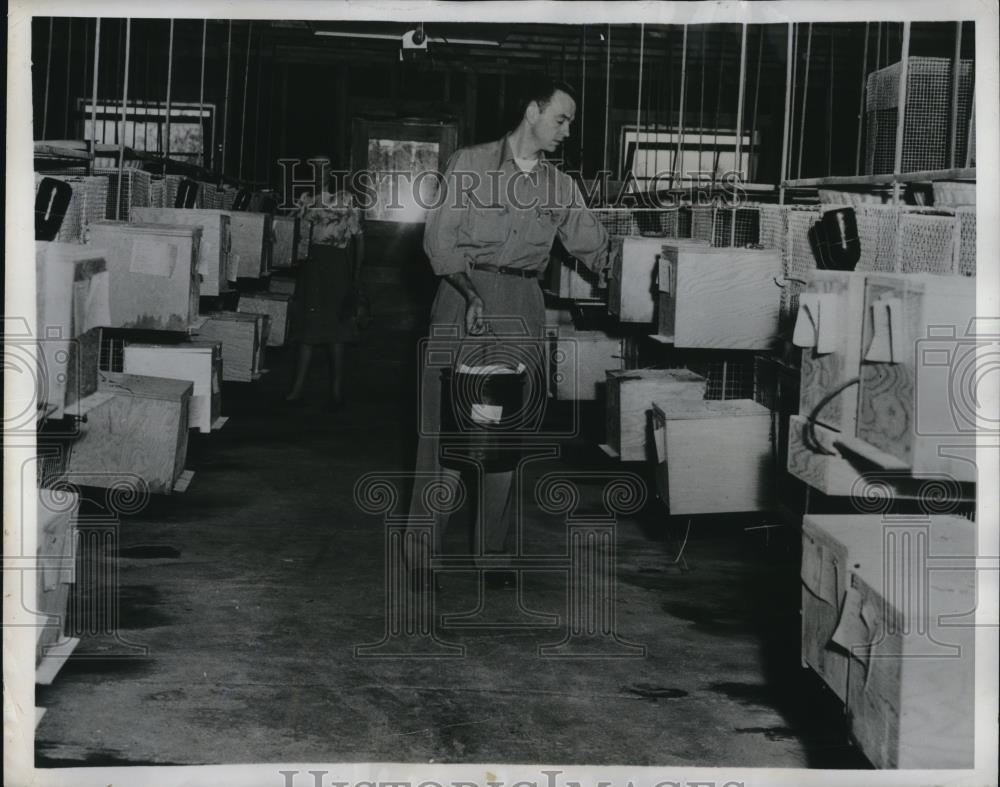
326	292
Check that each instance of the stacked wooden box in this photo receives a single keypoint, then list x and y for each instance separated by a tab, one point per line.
250	253
906	339
630	397
276	306
875	628
632	289
216	241
139	433
714	456
286	241
56	552
153	270
72	302
568	279
243	338
580	361
200	362
722	298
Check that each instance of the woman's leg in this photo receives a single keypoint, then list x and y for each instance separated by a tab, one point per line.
301	370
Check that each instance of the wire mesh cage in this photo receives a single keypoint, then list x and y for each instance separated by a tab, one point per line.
163	191
87	204
877	226
617	221
736	227
927	119
927	243
967	241
127	189
111	356
728	378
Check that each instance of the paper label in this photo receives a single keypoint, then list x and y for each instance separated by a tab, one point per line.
487	413
152	257
233	266
659	435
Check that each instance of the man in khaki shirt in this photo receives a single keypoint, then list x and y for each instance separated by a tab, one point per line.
489	236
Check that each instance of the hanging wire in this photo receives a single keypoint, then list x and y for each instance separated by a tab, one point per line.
786	125
678	156
246	79
790	115
121	144
718	108
805	98
69	61
904	67
751	161
638	102
607	100
170	76
583	92
701	104
83	84
93	101
740	90
256	130
48	75
225	110
201	94
955	72
861	100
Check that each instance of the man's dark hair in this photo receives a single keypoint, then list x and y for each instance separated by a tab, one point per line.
541	91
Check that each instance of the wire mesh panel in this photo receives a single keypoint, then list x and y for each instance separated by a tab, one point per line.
87	204
111	356
127	189
800	262
967	241
877	236
747	229
927	117
228	196
617	221
702	220
772	227
210	196
732	378
927	243
163	191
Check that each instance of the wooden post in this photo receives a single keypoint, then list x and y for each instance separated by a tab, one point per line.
607	100
904	68
751	162
786	125
638	100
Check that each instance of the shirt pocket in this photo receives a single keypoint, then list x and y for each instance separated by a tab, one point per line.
485	225
540	229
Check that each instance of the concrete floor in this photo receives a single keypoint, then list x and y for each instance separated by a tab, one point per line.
248	593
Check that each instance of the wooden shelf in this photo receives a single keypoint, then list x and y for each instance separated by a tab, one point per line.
962	173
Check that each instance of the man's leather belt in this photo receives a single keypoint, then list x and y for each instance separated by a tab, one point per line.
522	273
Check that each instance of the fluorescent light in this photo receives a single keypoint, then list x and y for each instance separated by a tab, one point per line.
390	37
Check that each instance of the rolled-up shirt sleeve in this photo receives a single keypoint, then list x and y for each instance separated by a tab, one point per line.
443	220
581	233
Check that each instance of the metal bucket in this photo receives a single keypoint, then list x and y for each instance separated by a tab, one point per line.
482	419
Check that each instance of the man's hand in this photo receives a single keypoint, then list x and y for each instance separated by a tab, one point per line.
474	323
474	305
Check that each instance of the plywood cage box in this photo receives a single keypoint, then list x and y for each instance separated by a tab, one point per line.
278	309
200	362
580	362
250	255
714	456
72	301
139	432
55	574
216	241
285	235
719	298
629	403
153	268
243	337
632	285
917	403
